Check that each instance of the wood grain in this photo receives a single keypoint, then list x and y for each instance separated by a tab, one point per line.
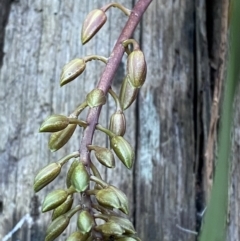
163	126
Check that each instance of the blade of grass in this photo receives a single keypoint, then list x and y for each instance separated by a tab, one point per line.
214	226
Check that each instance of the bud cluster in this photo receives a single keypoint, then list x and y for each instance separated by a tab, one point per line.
106	200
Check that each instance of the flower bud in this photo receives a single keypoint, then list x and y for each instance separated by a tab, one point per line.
95	98
112	197
80	178
54	123
77	236
59	139
108	198
109	229
128	239
70	171
72	70
137	68
63	208
128	94
123	150
59	224
93	22
56	227
122	199
124	223
46	175
85	222
118	123
54	199
104	156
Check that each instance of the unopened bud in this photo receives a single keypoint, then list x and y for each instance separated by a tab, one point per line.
46	175
59	224
128	239
125	224
54	123
85	222
54	199
63	208
72	70
56	227
95	98
80	178
70	171
104	156
118	123
128	94
108	198
123	150
77	236
112	197
110	229
137	68
59	139
93	22
122	199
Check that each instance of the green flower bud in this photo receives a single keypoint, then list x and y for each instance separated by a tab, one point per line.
137	68
118	123
63	208
70	171
77	236
46	175
110	229
85	222
108	198
56	227
112	197
104	156
72	70
80	178
93	22
123	150
125	224
59	139
128	239
128	94
95	98
54	123
122	199
59	224
54	199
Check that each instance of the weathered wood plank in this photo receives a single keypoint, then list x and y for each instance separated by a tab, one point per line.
165	180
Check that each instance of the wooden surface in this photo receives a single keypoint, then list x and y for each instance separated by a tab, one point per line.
167	126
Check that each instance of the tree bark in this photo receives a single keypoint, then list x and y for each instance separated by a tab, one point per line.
168	125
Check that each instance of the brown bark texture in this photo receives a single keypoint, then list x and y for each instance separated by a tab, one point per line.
168	125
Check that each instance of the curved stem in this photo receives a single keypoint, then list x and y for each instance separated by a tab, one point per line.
65	159
98	181
95	170
135	44
101	216
79	122
116	99
95	57
79	109
71	190
105	130
117	5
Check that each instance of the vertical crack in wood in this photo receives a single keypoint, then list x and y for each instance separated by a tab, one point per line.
5	6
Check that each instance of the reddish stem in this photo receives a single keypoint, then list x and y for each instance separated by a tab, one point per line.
105	83
108	74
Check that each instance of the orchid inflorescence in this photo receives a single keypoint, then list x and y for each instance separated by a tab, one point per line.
105	198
